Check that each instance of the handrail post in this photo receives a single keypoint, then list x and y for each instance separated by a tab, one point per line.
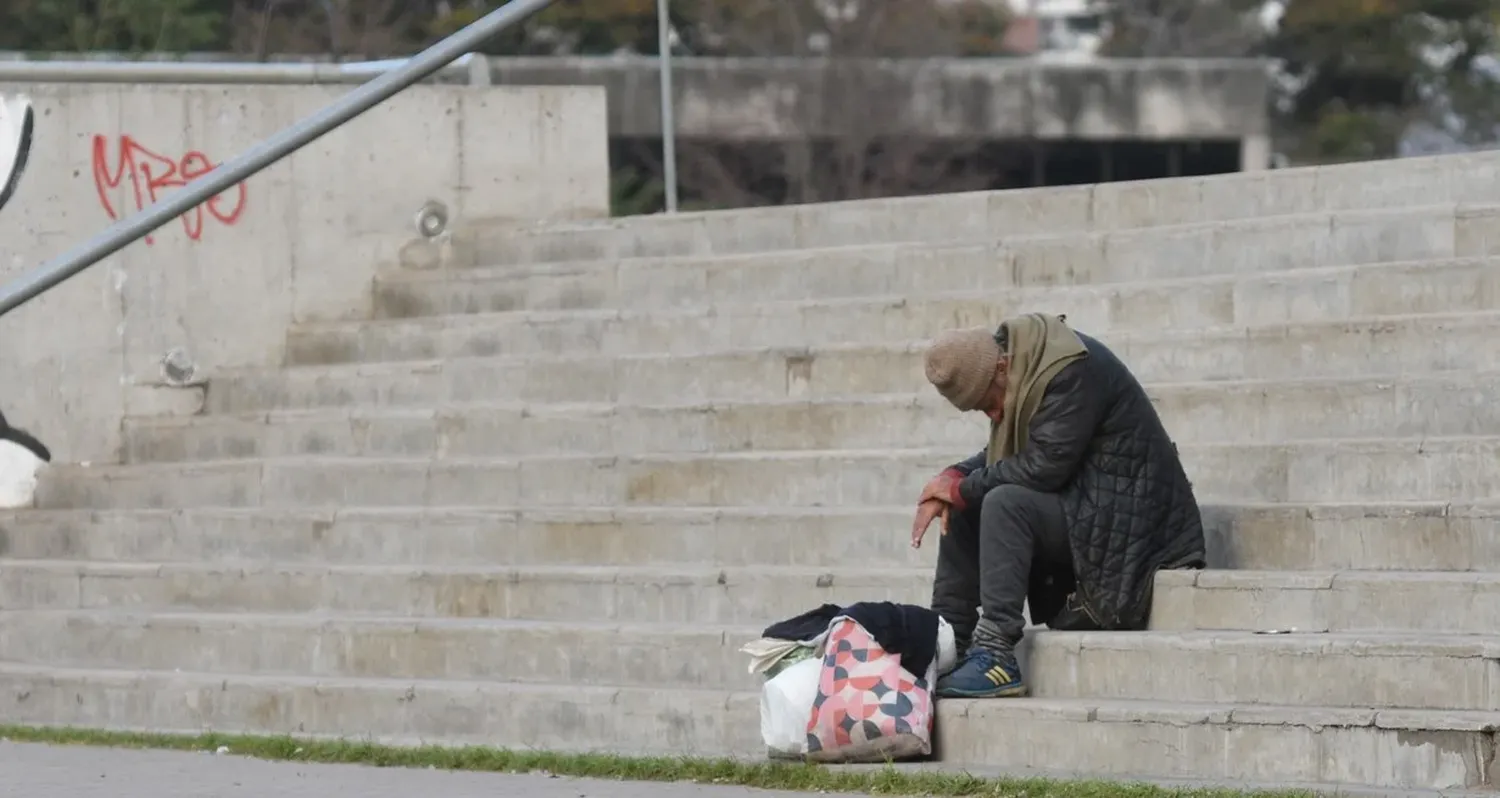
126	231
668	112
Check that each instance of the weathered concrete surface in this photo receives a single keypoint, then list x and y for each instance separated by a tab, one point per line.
1394	748
1413	406
757	98
1332	601
550	524
38	771
1405	183
858	282
35	771
1411	536
784	98
298	241
1381	664
1462	468
1341	349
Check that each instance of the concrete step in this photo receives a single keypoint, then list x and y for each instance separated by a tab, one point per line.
1400	749
1352	348
1307	296
1417	536
465	649
1239	744
1451	469
1413	671
406	711
1445	404
1327	601
1111	206
705	597
1207	294
1237	665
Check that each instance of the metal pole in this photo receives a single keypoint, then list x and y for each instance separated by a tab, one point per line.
668	118
126	231
216	73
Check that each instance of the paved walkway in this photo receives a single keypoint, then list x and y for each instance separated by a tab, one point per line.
40	771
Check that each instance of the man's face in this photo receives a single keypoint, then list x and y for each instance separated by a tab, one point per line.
993	404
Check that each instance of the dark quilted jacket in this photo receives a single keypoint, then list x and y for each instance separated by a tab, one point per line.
1097	441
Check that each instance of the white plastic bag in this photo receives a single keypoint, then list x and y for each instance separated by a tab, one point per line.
786	704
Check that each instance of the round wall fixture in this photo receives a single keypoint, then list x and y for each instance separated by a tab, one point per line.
178	369
432	219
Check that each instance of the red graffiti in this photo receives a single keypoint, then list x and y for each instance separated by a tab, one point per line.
152	174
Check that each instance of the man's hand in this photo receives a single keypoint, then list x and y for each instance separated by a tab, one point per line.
943	488
927	512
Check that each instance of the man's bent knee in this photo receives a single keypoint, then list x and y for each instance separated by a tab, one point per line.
1009	498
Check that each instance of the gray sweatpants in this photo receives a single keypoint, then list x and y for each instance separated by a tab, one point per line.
989	558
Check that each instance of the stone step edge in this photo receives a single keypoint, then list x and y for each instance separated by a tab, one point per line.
595	574
480	274
1416	445
1246	333
729	575
927	398
608	314
1333	217
1341	510
737	308
949	710
653	223
1229	641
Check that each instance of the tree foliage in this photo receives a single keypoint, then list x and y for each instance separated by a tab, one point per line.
1354	78
889	28
131	26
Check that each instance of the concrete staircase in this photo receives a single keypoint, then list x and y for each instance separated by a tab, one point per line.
542	497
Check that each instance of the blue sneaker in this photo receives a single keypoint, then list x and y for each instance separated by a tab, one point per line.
983	674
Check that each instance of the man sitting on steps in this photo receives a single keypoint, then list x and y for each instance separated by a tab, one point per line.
1077	501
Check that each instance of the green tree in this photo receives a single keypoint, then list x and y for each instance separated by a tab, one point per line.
1352	78
844	28
133	26
567	27
1363	73
852	77
1184	28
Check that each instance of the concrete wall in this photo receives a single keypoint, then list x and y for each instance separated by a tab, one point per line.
1140	99
986	98
299	241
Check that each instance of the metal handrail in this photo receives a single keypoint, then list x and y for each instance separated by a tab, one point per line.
467	67
126	231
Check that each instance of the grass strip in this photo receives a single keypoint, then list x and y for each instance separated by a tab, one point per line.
764	775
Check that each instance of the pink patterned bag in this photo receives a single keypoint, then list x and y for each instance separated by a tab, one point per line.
869	708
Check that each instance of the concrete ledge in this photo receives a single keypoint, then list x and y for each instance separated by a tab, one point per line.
1345	348
1440	535
1400	749
1411	536
1333	601
1309	296
1412	469
780	98
1356	670
1378	668
653	595
835	278
487	713
300	240
1444	404
522	652
1407	182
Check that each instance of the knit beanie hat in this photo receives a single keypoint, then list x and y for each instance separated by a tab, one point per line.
961	365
